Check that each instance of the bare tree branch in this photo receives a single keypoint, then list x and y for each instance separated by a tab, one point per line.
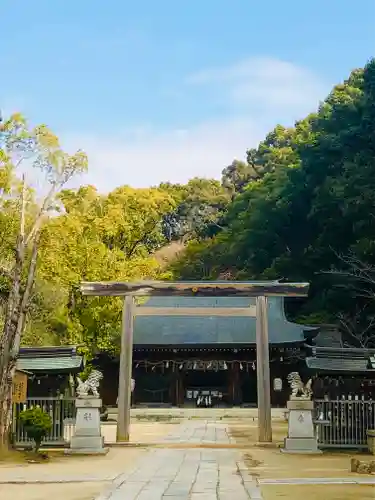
358	327
359	281
39	218
23	210
356	269
26	294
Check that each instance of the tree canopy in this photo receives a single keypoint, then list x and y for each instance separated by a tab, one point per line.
311	202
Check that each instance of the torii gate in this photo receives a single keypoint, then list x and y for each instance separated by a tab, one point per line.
260	290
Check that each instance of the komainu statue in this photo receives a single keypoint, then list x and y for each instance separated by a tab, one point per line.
299	389
89	385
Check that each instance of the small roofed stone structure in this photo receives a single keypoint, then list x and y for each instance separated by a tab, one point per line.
50	369
340	372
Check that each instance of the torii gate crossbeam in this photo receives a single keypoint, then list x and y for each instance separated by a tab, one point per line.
258	289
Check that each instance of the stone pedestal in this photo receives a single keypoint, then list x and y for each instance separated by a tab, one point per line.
301	436
87	438
371	441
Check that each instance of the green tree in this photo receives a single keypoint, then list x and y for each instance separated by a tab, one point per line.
37	423
201	204
236	176
96	237
41	149
313	200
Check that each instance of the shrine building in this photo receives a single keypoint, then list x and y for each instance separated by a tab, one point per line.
177	358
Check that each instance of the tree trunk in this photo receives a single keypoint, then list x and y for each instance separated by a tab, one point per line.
11	339
5	411
38	444
25	299
7	357
8	369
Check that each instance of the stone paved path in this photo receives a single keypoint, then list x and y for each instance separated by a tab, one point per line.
189	474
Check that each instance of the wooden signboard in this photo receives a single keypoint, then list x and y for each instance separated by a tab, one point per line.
19	387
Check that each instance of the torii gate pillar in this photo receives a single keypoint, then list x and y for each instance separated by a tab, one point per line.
263	371
260	290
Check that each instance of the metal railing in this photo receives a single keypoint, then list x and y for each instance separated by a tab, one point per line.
343	423
62	412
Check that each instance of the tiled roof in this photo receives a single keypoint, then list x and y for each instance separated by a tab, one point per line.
328	338
337	364
346	359
48	364
47	351
206	330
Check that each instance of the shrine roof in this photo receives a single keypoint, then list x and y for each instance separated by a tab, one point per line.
344	359
191	330
57	359
337	365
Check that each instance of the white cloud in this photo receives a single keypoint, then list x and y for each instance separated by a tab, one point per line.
265	68
260	92
270	83
174	156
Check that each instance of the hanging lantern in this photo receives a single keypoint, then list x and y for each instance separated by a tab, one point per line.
241	367
167	364
253	366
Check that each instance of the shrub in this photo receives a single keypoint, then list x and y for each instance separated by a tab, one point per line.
36	423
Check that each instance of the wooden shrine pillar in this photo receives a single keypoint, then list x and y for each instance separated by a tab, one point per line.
172	390
236	384
125	373
231	384
180	388
263	371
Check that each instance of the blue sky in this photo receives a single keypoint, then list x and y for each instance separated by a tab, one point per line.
166	90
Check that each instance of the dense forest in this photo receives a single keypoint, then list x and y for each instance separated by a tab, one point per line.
303	209
300	208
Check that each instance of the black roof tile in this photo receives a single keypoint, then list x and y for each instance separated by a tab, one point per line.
205	330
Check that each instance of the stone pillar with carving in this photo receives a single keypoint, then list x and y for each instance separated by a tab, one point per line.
87	437
301	435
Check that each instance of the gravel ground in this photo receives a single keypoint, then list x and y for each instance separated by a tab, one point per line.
86	491
326	492
265	463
